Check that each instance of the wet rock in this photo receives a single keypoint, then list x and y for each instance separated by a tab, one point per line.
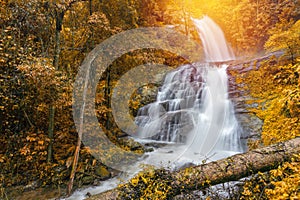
120	134
114	172
149	149
131	143
250	123
146	95
186	165
88	194
155	144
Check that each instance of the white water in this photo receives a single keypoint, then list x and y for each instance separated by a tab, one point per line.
192	106
192	115
213	41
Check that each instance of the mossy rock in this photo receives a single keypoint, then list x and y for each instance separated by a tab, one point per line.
102	172
86	180
132	144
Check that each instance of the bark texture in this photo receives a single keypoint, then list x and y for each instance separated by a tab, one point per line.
229	169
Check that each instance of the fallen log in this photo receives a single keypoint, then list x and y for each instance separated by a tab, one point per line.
229	169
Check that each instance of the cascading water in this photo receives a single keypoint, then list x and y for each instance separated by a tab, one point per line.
192	106
192	116
213	41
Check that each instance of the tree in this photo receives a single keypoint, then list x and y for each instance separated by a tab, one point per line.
285	36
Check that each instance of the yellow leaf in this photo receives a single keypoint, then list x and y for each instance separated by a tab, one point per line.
135	181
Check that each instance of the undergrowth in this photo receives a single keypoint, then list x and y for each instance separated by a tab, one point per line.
275	89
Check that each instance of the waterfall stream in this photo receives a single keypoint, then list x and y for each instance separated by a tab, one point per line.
192	118
192	106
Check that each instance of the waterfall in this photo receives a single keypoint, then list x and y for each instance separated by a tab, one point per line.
192	108
213	41
192	116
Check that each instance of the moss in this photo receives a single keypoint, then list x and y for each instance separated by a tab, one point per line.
102	172
152	184
280	183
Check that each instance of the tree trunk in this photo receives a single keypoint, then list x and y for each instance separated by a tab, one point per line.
90	7
74	165
229	169
58	28
50	133
239	166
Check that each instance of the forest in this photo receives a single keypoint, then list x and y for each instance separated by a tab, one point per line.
43	43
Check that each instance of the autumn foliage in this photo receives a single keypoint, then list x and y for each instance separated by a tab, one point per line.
274	88
43	43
